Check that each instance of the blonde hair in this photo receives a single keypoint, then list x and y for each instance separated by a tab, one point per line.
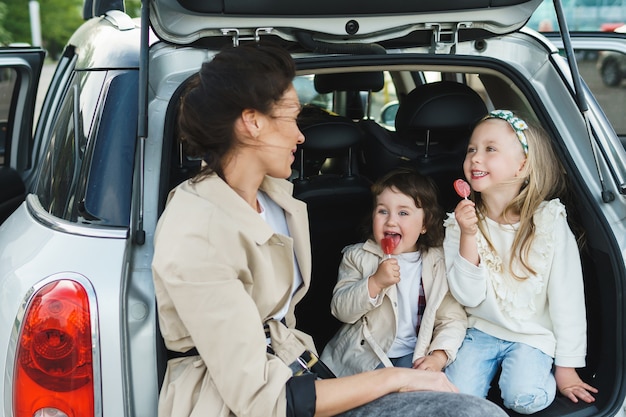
543	179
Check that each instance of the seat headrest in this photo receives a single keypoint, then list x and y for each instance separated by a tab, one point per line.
444	105
349	81
330	137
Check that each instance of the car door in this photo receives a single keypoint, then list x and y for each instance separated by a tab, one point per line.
20	69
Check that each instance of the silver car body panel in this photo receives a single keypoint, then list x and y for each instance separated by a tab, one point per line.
174	23
54	223
25	243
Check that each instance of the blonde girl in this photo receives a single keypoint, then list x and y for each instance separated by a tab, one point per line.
513	262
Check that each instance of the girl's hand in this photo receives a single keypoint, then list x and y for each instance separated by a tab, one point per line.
465	214
387	274
433	362
570	385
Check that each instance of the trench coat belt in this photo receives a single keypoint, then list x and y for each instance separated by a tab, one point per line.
307	362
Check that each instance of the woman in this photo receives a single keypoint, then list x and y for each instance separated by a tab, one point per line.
232	259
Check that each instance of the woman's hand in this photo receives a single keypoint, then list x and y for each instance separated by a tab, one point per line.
336	395
570	385
421	380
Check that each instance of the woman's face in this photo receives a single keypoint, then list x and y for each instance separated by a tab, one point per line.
280	136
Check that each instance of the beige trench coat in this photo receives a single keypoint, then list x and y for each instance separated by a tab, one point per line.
352	350
219	273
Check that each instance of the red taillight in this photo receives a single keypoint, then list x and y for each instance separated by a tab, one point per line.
54	363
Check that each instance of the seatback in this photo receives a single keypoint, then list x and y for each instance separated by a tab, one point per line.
432	127
338	203
383	151
435	121
354	87
328	179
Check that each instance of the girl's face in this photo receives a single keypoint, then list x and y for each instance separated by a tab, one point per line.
397	216
494	159
280	136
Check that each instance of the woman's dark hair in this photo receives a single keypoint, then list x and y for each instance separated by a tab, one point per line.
424	192
251	76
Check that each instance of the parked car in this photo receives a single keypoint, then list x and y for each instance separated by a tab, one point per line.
85	187
612	65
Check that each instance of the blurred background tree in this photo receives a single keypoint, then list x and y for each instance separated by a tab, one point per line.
4	35
59	19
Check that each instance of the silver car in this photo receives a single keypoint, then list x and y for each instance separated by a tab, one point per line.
82	184
612	65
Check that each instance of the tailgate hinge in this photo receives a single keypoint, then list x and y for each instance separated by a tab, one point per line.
234	33
445	39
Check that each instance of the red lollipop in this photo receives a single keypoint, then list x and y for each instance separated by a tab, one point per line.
388	244
462	188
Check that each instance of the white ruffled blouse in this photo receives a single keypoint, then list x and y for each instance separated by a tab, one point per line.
546	309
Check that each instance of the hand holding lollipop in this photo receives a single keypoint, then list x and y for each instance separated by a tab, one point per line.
462	188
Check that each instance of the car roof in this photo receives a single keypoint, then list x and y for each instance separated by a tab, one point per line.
117	42
187	21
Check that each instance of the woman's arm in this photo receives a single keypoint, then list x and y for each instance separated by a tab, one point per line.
337	395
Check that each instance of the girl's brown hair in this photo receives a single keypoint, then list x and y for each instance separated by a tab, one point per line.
424	192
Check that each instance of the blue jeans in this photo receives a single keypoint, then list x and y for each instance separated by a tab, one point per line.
405	361
526	381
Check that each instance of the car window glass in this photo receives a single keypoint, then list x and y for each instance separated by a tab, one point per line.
305	87
581	15
60	164
62	172
605	74
307	94
7	87
385	97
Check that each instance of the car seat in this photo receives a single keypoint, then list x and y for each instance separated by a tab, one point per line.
338	203
433	126
353	87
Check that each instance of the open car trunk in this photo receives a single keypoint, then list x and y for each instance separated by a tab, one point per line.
481	45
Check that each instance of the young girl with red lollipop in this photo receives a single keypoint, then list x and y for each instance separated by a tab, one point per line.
392	293
513	262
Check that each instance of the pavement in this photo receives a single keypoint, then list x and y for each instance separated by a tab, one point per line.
44	81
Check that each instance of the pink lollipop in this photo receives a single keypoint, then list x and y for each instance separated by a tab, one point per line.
462	188
388	244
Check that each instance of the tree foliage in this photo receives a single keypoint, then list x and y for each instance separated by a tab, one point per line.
4	35
59	19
